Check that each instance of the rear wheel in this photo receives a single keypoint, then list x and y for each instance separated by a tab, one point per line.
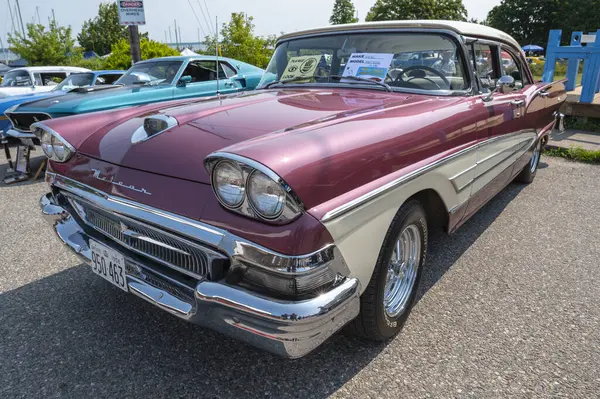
529	171
389	297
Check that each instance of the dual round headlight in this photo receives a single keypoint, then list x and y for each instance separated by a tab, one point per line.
54	148
232	187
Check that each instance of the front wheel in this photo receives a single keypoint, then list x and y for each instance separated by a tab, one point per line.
389	297
529	171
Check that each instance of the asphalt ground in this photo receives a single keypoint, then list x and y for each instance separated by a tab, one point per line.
509	307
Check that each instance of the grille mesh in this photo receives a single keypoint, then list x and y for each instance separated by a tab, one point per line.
159	245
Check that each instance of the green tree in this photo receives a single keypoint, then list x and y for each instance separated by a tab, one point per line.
41	46
99	33
386	10
343	13
529	21
239	42
120	57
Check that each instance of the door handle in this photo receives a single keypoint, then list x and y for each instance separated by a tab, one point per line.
229	84
517	103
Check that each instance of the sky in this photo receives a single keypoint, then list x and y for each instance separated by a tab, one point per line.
270	16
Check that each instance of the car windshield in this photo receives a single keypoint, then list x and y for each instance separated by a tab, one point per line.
151	73
16	78
428	62
75	80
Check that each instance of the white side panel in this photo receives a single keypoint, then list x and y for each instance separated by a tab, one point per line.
359	233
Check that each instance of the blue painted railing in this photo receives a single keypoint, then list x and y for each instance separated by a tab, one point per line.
579	50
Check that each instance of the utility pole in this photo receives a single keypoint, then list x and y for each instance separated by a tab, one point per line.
20	17
134	40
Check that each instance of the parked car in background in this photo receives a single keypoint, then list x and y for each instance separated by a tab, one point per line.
281	215
150	81
34	79
73	81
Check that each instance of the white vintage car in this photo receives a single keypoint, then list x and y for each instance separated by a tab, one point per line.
34	79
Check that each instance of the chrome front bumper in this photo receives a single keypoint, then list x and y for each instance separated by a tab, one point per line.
287	328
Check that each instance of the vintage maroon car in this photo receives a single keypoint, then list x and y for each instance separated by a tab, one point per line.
278	216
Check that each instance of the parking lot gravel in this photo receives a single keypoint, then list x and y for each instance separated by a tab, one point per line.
509	307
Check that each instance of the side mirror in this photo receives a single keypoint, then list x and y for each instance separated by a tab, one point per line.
185	80
504	85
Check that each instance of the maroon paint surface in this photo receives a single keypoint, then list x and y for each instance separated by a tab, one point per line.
329	145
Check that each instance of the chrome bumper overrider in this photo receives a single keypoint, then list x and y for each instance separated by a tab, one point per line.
286	328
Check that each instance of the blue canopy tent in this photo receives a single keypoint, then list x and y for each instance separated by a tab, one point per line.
533	48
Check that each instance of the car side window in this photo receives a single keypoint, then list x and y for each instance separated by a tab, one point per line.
51	78
482	56
37	79
107	79
229	71
511	66
204	71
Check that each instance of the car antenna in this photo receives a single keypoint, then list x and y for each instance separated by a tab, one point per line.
217	50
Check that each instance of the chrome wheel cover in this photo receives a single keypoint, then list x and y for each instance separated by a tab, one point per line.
402	271
535	158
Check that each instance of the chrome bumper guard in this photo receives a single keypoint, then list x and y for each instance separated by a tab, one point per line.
287	328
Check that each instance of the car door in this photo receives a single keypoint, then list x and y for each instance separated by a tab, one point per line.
509	131
204	80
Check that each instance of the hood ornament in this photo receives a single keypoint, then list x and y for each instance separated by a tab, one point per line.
98	175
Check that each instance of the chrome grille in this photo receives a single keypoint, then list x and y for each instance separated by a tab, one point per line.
161	246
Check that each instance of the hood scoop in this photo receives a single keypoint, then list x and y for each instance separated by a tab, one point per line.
152	126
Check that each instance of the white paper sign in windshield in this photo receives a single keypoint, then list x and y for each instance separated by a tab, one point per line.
372	66
304	66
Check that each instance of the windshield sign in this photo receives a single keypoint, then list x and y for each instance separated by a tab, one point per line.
151	73
427	62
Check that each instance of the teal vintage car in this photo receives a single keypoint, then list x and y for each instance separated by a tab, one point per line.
149	81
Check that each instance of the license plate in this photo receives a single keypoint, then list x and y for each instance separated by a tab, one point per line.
108	264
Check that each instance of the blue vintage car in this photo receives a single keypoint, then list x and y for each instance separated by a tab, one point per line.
73	81
155	80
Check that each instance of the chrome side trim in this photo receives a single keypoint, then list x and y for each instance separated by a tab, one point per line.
359	201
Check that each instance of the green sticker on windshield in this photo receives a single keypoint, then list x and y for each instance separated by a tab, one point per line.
304	66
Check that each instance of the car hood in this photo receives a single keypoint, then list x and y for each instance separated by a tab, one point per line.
22	98
98	99
239	124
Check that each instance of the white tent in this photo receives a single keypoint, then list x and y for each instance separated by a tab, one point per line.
187	51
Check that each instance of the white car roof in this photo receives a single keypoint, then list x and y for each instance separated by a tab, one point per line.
462	28
51	69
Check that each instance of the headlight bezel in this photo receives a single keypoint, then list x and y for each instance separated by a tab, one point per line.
292	206
39	129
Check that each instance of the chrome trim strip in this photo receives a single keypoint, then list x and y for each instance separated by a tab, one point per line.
19	135
342	209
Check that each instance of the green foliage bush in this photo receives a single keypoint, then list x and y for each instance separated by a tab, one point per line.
120	57
575	154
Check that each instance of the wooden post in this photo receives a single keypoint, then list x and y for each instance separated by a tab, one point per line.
573	66
134	42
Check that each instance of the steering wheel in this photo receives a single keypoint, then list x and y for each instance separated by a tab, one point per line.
423	68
